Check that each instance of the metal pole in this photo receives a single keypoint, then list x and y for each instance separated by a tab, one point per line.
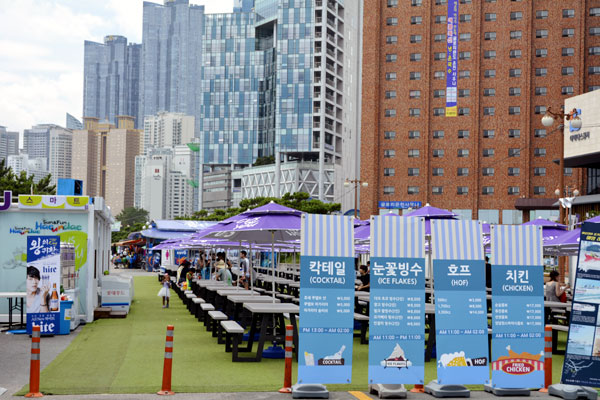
273	263
251	269
561	260
355	197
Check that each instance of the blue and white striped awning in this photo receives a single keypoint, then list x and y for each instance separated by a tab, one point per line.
397	237
456	239
517	245
327	235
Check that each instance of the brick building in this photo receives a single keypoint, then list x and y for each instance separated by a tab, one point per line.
494	161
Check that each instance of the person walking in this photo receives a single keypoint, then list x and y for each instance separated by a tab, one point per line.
165	291
244	270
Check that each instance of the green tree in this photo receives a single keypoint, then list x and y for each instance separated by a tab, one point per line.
22	183
132	215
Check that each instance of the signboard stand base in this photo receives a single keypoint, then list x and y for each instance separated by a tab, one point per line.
309	391
437	390
507	391
388	391
572	392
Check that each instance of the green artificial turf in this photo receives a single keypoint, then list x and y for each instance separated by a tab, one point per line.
126	356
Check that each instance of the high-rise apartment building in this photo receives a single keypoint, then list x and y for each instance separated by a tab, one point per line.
52	142
104	159
73	123
22	162
9	143
167	130
111	79
494	160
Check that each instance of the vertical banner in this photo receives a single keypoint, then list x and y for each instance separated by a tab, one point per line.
43	283
326	299
582	357
517	306
460	302
397	306
452	59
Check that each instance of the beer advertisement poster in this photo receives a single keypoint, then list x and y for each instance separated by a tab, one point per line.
43	283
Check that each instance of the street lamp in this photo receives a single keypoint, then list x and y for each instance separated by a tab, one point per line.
569	194
356	182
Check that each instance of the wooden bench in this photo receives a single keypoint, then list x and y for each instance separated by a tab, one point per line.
233	337
364	324
204	309
286	298
188	299
555	330
213	323
196	301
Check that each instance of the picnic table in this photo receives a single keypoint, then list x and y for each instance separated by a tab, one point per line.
235	304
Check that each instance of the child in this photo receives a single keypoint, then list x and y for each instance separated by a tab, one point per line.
164	292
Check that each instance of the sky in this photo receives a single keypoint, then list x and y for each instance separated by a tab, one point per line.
41	61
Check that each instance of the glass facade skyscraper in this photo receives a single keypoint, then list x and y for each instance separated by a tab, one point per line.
243	6
111	77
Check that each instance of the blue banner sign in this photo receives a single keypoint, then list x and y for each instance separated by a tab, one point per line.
400	204
452	59
43	283
461	322
517	326
179	254
397	320
326	319
582	357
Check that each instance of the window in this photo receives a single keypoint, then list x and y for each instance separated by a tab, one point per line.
512	190
514	91
489	54
512	171
539	152
389	135
487	190
462	171
489	36
415	57
516	34
462	153
514	72
541	14
438	134
489	133
541	91
440	2
388	190
566	90
488	171
541	33
489	73
464	111
413	153
414	112
591	88
415	76
439	112
391	57
540	133
568	171
490	17
464	37
539	190
514	133
438	75
464	92
594	11
390	112
440	19
566	71
413	172
464	55
462	190
541	71
392	21
416	3
438	172
414	94
390	76
389	172
465	1
413	190
541	53
390	94
414	134
489	92
416	38
568	13
514	152
488	152
439	56
540	109
594	51
595	31
392	3
465	18
391	39
568	51
540	171
439	38
516	15
438	153
568	32
439	93
514	110
593	70
389	153
464	74
463	134
515	53
437	190
489	110
416	20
